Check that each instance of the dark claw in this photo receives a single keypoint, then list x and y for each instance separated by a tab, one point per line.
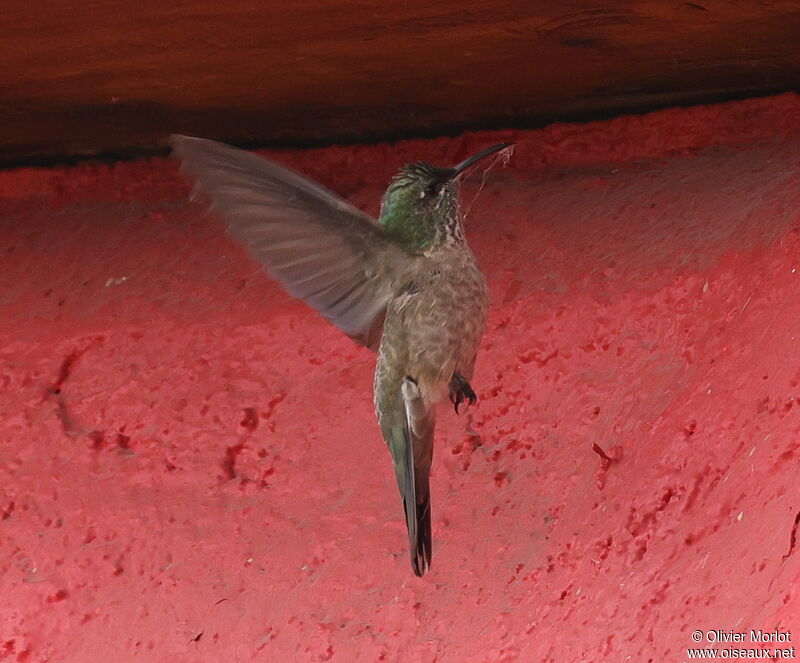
460	391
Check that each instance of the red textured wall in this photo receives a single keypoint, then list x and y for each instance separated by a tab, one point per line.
190	469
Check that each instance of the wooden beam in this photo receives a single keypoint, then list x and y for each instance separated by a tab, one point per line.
90	76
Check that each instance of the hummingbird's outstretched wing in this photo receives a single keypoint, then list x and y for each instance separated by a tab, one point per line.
320	247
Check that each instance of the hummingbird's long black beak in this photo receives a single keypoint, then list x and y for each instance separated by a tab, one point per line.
475	158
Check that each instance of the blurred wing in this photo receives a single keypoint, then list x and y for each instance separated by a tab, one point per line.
321	248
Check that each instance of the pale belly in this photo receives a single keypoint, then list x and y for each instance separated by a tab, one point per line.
440	323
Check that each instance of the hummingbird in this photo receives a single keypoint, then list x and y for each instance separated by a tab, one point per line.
405	285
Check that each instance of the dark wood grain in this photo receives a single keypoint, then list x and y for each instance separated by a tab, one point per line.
97	75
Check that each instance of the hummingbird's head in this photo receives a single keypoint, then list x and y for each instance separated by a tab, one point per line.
420	207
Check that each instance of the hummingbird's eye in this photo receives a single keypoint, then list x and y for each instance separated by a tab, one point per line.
430	191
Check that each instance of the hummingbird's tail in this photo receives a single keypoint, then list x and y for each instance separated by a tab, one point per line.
412	448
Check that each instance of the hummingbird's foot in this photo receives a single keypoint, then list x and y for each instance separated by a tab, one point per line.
460	391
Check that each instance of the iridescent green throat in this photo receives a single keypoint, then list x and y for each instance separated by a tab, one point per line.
419	210
412	228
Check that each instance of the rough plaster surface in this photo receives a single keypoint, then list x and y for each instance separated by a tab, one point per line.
190	469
